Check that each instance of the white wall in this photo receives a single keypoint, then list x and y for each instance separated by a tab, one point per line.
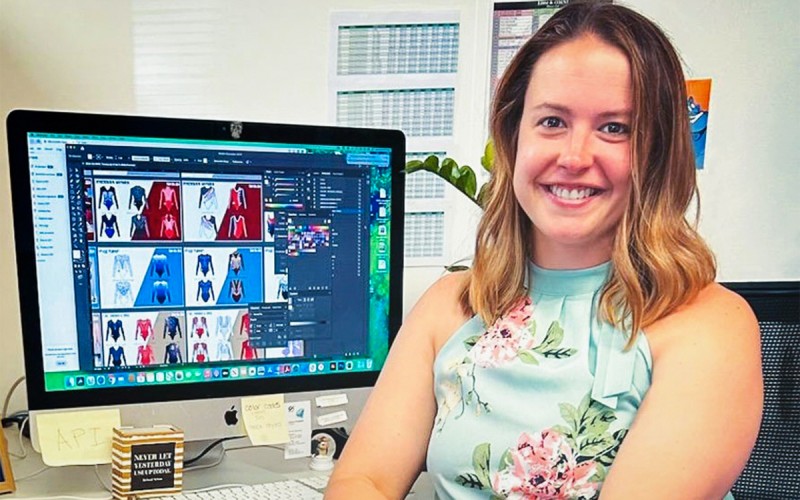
77	55
749	189
53	55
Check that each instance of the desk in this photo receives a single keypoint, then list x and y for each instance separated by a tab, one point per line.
240	466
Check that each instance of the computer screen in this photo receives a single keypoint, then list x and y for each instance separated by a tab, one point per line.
176	259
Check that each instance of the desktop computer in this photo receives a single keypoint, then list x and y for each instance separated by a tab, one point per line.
169	267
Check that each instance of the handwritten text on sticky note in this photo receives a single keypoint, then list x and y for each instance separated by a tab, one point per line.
265	419
77	438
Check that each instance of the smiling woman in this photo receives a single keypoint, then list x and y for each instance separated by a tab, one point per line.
588	353
572	170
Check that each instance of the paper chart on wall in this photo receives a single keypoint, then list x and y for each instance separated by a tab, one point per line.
399	70
512	25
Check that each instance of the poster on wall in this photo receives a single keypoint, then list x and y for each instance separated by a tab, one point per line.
698	94
512	24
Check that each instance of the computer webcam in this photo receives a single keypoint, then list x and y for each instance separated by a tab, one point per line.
236	129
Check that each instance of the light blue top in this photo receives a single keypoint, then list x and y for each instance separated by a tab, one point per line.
537	405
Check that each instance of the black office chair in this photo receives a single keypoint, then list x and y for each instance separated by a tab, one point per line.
773	470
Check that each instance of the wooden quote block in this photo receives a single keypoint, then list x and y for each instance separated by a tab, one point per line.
146	462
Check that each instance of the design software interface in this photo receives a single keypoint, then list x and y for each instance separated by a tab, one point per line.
202	260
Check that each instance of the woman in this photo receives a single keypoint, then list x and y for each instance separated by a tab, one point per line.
582	242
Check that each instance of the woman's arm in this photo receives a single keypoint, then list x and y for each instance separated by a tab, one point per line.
387	449
699	421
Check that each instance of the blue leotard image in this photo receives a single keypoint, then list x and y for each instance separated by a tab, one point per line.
204	264
115	330
116	356
109	225
159	265
205	290
172	326
172	354
161	292
139	229
137	197
108	197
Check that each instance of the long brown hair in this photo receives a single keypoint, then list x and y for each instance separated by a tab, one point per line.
659	261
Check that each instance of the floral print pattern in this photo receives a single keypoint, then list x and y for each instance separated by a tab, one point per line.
512	337
562	462
544	466
503	341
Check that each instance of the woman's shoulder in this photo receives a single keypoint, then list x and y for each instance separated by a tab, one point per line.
440	308
717	319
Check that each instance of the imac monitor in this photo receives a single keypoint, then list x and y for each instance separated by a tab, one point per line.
186	263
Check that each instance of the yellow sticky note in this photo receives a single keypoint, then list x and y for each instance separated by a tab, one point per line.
265	419
76	438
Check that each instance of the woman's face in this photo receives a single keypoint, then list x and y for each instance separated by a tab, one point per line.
572	173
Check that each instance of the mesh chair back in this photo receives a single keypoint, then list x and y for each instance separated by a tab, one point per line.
773	470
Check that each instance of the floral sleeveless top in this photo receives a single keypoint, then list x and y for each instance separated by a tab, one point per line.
537	405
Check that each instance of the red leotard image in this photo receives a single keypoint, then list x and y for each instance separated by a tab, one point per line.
168	199
145	356
248	352
144	327
169	227
245	327
237	228
243	216
200	352
199	326
238	199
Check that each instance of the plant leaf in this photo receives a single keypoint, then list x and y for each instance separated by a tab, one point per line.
466	182
595	418
562	429
471	341
555	334
600	475
555	353
596	445
585	404
449	169
480	461
487	160
570	415
505	460
598	423
527	357
431	163
413	166
607	457
455	268
470	481
482	194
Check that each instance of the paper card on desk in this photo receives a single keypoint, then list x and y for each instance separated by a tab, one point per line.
332	418
265	419
77	438
331	400
298	415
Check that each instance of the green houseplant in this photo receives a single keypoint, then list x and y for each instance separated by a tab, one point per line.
462	178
